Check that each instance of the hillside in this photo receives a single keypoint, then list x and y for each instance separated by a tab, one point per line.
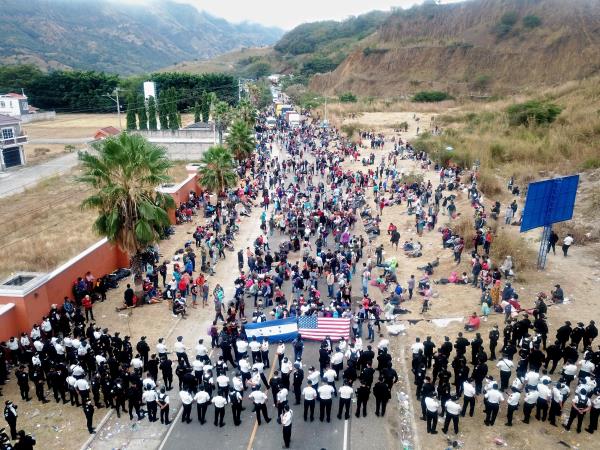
475	46
310	48
118	37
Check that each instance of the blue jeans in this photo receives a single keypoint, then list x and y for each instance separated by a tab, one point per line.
330	290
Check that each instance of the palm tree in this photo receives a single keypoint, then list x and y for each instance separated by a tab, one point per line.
124	174
217	170
246	112
221	114
241	140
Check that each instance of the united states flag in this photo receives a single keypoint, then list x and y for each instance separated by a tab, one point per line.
317	328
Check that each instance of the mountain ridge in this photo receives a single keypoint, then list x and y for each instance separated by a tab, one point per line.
118	38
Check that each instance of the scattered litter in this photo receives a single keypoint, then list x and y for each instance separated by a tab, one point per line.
501	442
443	323
395	330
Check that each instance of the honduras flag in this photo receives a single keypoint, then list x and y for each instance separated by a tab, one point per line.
285	330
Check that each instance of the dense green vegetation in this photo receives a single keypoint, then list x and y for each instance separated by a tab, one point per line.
533	112
431	96
79	91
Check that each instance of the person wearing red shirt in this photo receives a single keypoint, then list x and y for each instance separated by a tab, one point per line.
88	307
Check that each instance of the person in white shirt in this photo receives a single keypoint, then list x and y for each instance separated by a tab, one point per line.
244	367
150	397
280	352
180	351
202	399
580	405
337	362
556	404
505	365
286	422
453	410
329	377
432	406
201	350
569	371
309	395
345	393
161	349
260	406
222	385
545	393
567	242
512	405
531	398
469	397
241	347
264	353
594	414
493	397
418	345
282	401
186	401
313	376
149	382
219	401
255	350
83	388
325	392
532	379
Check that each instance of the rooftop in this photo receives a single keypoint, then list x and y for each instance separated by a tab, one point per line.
8	120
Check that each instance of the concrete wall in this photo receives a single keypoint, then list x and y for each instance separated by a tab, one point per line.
22	306
47	115
182	145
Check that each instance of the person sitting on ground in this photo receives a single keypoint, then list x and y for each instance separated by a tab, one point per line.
473	323
558	295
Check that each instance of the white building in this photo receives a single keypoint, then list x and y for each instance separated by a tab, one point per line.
12	139
14	105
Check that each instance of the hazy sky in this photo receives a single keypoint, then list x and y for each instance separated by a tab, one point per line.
289	13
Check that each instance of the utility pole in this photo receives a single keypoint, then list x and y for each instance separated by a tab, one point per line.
116	100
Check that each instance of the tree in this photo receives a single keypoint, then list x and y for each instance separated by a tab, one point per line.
197	113
241	140
246	112
142	115
152	113
221	115
205	106
172	108
123	173
217	170
131	106
533	112
163	110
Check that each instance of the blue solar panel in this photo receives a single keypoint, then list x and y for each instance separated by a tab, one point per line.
549	201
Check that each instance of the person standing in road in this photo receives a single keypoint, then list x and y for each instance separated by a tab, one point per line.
363	392
493	397
432	406
150	397
88	410
163	404
235	399
325	393
286	422
310	395
186	401
219	401
260	405
382	394
345	393
10	415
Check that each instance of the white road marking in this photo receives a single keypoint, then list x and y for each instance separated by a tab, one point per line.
345	435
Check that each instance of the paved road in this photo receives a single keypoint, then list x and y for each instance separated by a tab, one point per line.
17	180
364	433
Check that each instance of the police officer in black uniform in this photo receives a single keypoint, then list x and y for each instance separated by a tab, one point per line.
88	410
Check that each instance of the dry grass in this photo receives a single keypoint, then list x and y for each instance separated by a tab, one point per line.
74	126
44	226
505	244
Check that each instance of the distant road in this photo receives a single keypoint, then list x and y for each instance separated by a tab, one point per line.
61	141
17	180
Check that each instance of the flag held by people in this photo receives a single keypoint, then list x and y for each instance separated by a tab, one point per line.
317	328
274	330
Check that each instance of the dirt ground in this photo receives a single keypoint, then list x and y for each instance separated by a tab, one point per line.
454	301
71	126
45	226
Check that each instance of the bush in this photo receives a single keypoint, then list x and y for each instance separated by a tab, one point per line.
498	153
506	243
70	148
348	97
506	24
374	51
590	164
431	96
350	128
412	178
488	183
531	21
533	112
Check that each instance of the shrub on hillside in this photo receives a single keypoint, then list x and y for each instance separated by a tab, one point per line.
531	21
431	96
590	164
488	183
506	24
348	97
533	112
367	51
506	243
